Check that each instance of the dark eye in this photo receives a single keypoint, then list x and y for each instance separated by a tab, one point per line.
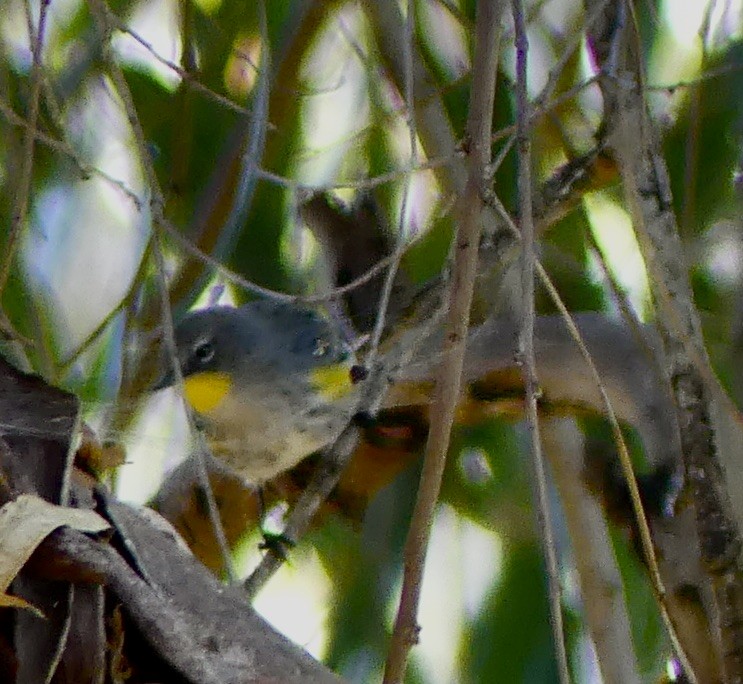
321	347
204	351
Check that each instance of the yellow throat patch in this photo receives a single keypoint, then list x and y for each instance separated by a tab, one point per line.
333	382
206	391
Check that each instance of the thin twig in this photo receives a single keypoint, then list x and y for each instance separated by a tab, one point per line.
303	512
176	68
400	348
711	464
94	334
624	456
389	281
622	301
693	82
157	203
542	105
23	188
449	376
268	293
202	450
529	364
625	459
255	130
222	270
84	169
573	45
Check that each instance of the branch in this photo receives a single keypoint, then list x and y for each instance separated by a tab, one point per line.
432	123
529	368
600	580
717	499
179	614
25	174
99	9
449	375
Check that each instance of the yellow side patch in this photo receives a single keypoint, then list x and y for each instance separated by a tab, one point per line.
205	391
333	382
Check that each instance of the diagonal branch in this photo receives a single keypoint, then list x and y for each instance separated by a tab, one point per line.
449	376
718	506
99	11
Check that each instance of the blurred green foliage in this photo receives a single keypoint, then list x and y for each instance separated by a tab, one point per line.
197	146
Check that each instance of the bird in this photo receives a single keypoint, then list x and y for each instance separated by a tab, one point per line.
270	383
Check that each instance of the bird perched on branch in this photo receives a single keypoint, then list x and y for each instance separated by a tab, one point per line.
271	383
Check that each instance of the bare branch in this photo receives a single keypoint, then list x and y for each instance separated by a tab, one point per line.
712	477
529	369
157	204
23	187
600	580
449	376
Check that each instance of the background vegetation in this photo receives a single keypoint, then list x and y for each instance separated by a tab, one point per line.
206	126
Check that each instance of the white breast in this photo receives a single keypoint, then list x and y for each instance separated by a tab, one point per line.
261	440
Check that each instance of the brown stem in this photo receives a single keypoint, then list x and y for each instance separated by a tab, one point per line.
529	367
449	376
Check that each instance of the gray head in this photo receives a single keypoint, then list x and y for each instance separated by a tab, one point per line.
264	338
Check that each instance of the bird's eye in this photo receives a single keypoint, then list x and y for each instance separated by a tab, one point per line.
321	347
204	352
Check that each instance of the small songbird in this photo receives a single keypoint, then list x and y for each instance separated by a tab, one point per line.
270	383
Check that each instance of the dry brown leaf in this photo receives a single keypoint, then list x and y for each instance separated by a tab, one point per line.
24	523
